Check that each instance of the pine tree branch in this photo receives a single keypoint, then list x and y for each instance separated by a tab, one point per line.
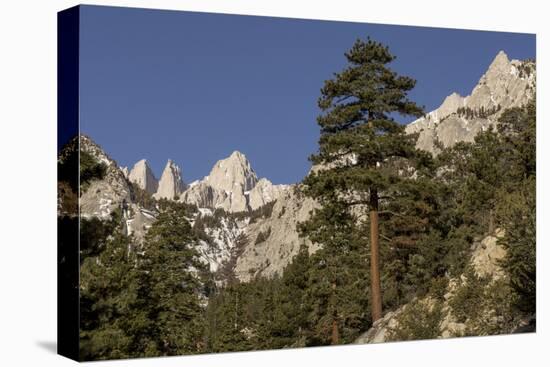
382	212
342	99
360	202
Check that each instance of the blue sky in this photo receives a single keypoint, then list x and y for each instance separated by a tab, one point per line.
193	87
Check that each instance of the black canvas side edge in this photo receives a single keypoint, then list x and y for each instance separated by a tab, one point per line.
68	325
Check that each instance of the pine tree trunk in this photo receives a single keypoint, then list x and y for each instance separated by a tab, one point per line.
335	334
376	296
491	222
335	339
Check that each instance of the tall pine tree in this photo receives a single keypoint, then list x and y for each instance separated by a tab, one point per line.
173	284
361	145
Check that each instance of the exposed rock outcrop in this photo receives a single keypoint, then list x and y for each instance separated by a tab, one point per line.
112	192
232	185
507	83
279	240
232	174
125	171
103	196
202	195
138	221
487	255
225	186
379	331
264	192
171	184
142	175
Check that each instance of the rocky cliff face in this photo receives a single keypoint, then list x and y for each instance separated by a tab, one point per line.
226	186
232	173
273	241
265	192
142	175
171	184
233	186
507	83
125	171
103	196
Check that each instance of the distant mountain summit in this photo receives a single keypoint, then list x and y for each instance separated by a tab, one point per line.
142	175
231	173
171	183
232	185
505	84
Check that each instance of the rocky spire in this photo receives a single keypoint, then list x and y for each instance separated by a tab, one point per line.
232	185
499	85
171	183
233	174
506	83
500	62
143	176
